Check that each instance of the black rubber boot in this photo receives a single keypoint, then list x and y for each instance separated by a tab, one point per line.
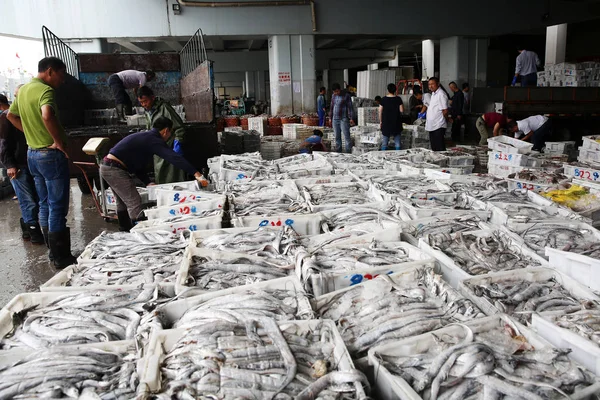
35	233
24	231
125	223
60	246
45	233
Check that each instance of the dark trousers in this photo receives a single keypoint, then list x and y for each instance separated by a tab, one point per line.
541	135
456	125
123	187
529	80
118	90
437	139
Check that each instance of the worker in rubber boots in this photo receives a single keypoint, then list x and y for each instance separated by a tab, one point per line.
35	113
130	156
156	107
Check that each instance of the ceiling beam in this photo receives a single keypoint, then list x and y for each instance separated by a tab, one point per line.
130	46
174	45
329	42
364	43
217	44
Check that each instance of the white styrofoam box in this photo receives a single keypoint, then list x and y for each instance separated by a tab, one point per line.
503	171
590	173
583	269
324	180
453	274
172	197
111	200
258	124
324	282
499	214
530	275
388	386
583	351
173	311
360	129
507	144
371	137
188	208
188	185
162	342
192	224
368	115
456	158
303	224
412	226
587	155
521	184
591	142
517	160
409	212
58	283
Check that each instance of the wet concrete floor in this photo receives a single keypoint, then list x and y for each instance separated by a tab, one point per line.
24	266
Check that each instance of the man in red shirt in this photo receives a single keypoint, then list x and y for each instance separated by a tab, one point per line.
488	123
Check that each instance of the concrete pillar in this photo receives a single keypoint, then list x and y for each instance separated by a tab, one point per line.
428	60
454	60
373	67
478	55
250	84
395	62
346	79
556	44
292	74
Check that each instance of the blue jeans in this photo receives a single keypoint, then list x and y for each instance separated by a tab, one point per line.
385	140
321	114
50	170
339	126
28	201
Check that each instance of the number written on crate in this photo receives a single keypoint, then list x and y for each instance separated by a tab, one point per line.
266	222
359	278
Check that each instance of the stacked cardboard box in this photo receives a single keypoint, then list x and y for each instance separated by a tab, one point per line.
585	74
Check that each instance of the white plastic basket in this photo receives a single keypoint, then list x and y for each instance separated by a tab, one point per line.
559	147
192	224
513	159
326	282
507	144
503	171
453	274
583	269
589	155
532	275
586	173
409	212
591	142
303	224
499	215
172	197
521	184
161	342
188	185
455	170
187	208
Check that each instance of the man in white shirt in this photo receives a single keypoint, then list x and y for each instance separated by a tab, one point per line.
536	129
437	116
527	65
128	79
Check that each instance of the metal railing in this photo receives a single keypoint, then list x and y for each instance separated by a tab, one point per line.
193	53
55	47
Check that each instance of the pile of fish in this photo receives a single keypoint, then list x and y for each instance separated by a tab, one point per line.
181	218
520	298
559	235
481	252
585	323
351	193
448	226
267	204
477	188
526	212
237	188
539	176
497	363
119	245
406	187
341	220
258	358
88	317
129	271
389	308
74	372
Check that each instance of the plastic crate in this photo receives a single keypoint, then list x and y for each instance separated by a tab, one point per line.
330	281
499	215
530	275
586	173
591	143
185	208
391	387
453	274
456	158
503	171
588	155
455	170
303	224
192	224
506	144
188	186
172	197
559	147
409	212
516	160
521	184
583	269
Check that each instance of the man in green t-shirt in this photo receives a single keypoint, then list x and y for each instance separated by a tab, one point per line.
35	113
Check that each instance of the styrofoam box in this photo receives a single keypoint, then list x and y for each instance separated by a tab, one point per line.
173	311
188	185
58	283
197	237
412	212
583	269
324	180
192	224
453	274
303	224
531	275
500	217
459	159
560	147
583	351
258	124
330	281
591	143
183	290
521	184
587	173
412	226
391	387
456	170
161	342
173	197
185	208
589	155
383	231
498	157
506	144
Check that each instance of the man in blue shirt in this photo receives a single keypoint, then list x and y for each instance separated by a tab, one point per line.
131	156
527	65
321	106
341	114
313	143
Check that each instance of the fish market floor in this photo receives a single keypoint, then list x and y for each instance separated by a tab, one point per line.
23	266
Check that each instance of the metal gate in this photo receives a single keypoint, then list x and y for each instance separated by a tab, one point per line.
193	53
197	94
55	47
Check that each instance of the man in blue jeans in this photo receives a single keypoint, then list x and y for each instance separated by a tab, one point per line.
13	155
34	112
341	114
